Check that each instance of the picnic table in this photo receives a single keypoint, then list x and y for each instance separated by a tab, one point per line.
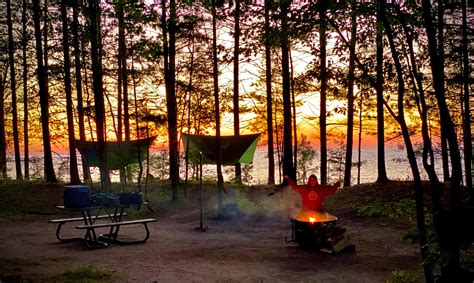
96	217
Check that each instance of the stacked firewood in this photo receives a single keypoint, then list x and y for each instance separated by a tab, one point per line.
334	239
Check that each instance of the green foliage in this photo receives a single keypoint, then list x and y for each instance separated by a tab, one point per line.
336	157
435	258
467	258
246	177
306	155
403	276
159	163
393	210
88	274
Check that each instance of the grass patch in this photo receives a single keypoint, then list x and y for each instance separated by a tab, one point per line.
403	276
88	274
28	200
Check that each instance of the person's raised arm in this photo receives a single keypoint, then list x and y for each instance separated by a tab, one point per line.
290	182
329	190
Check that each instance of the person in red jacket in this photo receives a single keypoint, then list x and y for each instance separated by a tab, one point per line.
313	194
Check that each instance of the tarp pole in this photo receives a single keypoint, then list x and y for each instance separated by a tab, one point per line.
201	226
200	185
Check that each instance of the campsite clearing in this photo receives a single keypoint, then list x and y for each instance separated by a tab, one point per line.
248	247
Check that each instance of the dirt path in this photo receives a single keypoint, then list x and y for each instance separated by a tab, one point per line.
247	249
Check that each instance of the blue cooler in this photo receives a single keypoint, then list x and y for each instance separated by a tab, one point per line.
76	196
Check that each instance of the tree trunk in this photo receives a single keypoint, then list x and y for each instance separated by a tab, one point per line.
359	145
238	169
45	41
445	157
268	83
44	96
119	132
447	244
3	142
11	58
123	69
288	168
323	77
444	142
98	89
25	91
350	101
123	75
78	76
428	160
417	185
137	129
279	145
170	59
69	105
447	124
381	168
188	102
122	84
215	75
171	104
293	108
467	107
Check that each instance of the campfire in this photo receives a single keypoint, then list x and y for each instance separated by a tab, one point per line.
314	217
318	230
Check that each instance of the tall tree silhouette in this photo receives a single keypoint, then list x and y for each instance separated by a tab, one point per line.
69	105
288	167
24	46
78	83
169	54
350	98
269	98
451	270
98	89
323	77
381	168
217	119
467	106
123	68
3	142
441	60
11	58
400	118
235	97
42	76
122	85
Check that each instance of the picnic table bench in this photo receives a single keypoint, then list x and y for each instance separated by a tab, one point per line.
90	215
63	221
112	236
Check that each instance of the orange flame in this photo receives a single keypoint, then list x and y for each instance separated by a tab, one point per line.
315	216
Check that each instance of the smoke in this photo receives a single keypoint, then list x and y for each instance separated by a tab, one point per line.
283	203
265	202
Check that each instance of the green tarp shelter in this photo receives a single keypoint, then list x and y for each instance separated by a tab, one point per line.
119	154
234	149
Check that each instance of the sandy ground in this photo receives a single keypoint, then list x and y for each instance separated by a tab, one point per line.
248	248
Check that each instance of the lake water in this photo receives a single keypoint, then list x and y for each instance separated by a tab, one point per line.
257	173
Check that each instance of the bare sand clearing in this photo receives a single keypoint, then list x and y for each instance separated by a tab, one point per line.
250	247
